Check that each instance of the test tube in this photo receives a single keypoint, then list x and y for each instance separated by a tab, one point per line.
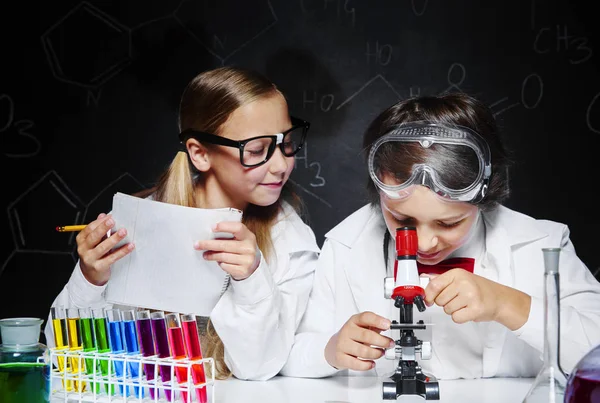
144	329
61	340
103	345
117	345
193	351
177	349
161	343
88	340
132	347
75	346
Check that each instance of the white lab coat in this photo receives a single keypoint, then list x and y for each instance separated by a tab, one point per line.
256	318
349	280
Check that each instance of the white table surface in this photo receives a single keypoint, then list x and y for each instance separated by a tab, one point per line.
365	390
338	389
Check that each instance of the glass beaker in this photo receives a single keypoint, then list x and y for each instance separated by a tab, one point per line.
549	384
24	362
584	382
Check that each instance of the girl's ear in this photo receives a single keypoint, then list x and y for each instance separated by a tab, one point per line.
199	155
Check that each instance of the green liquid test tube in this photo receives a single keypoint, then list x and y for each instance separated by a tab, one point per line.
88	339
102	345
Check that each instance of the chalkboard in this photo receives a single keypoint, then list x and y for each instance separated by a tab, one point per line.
90	90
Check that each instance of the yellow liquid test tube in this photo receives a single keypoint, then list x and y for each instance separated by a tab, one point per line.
75	346
61	341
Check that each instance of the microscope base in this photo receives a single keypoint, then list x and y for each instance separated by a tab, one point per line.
422	385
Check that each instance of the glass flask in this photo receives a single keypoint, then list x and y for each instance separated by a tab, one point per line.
549	384
24	362
584	382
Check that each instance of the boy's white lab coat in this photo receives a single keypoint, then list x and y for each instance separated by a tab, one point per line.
256	318
349	280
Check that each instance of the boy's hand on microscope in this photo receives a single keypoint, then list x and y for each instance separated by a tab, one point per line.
238	255
469	297
359	342
95	249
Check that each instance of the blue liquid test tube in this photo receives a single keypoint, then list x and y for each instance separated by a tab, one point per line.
132	347
117	345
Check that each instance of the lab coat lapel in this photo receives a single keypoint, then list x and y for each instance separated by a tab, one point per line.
498	254
505	231
365	274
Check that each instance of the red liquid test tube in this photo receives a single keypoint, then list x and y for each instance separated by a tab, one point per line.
177	349
193	351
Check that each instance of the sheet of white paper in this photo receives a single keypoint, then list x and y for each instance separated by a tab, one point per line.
164	271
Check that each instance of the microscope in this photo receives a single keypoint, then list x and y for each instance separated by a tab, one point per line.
406	290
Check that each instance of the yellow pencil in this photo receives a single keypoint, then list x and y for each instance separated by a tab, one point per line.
70	228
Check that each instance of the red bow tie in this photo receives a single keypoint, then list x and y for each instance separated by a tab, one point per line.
465	263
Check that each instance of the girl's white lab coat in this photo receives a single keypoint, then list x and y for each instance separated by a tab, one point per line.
256	318
349	280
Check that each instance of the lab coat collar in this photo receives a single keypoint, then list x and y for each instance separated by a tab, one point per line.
505	231
291	233
517	227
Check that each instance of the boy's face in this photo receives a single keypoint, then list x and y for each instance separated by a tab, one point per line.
442	226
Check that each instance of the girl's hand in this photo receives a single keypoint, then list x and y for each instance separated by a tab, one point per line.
95	249
238	256
359	342
469	297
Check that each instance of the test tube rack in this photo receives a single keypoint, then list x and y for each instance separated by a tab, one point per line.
116	384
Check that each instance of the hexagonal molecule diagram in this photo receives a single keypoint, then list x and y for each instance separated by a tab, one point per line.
34	216
48	203
87	47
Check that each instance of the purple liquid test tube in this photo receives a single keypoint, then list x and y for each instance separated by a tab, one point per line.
161	343
144	328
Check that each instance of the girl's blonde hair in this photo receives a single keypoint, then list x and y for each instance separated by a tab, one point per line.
207	102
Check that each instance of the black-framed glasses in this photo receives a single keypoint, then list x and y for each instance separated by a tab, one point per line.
256	151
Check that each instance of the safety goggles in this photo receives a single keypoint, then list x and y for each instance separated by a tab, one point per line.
469	144
256	151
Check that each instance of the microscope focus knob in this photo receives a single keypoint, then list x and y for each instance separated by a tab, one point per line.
388	287
420	303
426	350
390	353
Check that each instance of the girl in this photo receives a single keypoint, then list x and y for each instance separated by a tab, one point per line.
436	163
239	152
